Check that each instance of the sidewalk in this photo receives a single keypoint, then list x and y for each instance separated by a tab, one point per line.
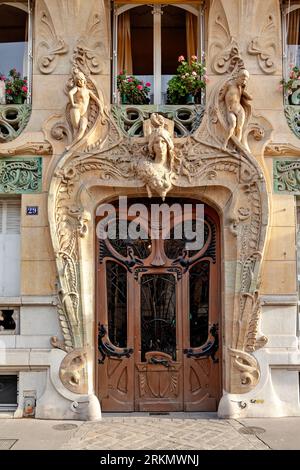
188	431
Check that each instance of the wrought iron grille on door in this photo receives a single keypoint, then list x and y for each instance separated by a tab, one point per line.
158	316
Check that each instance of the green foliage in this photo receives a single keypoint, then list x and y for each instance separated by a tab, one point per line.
293	81
190	79
133	90
16	88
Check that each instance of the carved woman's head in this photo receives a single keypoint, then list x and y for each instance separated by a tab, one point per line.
160	143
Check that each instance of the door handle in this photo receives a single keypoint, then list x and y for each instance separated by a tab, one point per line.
209	349
106	348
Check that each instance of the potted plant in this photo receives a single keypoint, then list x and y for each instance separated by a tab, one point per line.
291	86
16	88
132	90
185	87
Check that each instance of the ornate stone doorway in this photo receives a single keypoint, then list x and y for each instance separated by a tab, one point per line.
158	311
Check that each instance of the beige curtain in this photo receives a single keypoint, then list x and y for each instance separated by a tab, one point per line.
191	34
124	43
293	22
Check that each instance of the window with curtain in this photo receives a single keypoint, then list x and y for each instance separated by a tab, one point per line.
13	38
150	38
293	34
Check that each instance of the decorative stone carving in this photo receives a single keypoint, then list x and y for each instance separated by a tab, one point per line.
80	106
265	46
256	24
275	149
224	50
52	45
161	163
246	365
292	114
131	118
20	175
157	171
90	50
13	120
228	59
237	106
33	148
72	371
286	174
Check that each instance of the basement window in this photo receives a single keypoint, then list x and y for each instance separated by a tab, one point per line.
8	392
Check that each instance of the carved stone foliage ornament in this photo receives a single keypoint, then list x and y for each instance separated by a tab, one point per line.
265	46
286	176
160	162
260	25
90	50
52	46
20	175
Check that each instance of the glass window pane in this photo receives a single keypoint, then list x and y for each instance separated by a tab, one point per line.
116	282
13	40
199	303
158	314
141	22
173	38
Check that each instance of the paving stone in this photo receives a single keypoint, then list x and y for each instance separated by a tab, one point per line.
164	433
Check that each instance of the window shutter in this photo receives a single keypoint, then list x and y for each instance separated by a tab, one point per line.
13	217
10	242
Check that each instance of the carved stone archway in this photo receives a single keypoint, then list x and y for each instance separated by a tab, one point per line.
229	179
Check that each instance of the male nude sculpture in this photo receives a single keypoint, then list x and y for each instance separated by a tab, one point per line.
236	99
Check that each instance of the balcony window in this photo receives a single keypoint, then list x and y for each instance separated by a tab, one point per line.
15	42
148	39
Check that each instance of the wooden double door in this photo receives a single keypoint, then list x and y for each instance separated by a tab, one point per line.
158	323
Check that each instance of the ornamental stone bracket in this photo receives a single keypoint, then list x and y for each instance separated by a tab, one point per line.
20	175
286	175
106	163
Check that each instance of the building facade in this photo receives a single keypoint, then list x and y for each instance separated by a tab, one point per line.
122	324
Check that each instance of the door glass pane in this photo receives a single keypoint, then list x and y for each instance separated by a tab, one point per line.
116	282
141	247
199	303
158	314
174	247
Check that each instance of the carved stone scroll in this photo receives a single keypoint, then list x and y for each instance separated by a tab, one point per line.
52	45
265	46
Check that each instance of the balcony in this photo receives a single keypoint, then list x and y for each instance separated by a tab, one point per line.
13	120
130	118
